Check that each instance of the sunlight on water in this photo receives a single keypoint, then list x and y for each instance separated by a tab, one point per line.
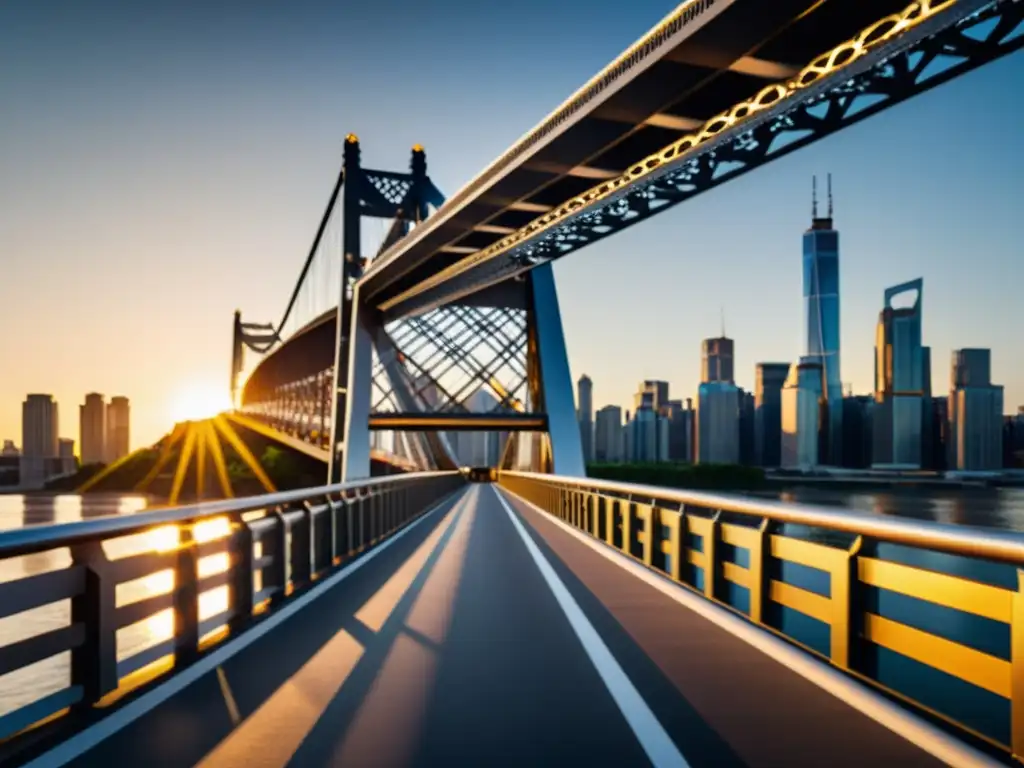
32	683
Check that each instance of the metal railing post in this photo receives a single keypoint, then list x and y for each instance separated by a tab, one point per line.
302	547
360	507
848	611
240	587
760	573
186	600
327	534
94	662
279	567
711	549
343	532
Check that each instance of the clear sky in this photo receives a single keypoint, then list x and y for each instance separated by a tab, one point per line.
164	163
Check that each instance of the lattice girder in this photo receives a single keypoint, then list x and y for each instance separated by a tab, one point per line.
889	62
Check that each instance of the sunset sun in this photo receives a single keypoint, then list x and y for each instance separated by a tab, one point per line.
197	401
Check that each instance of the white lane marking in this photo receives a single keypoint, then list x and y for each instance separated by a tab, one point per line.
902	722
82	742
660	748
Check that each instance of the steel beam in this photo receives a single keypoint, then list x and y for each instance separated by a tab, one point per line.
553	393
460	422
724	29
889	62
350	323
434	447
355	449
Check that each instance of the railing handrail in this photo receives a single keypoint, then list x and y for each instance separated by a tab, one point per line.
1003	546
39	538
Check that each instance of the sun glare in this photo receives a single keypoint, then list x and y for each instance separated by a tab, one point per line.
197	402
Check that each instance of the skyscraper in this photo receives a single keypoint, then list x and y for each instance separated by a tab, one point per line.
39	427
645	436
821	317
899	382
975	413
928	433
746	408
118	416
769	379
716	362
39	437
585	415
802	406
651	393
93	429
608	435
659	393
681	418
718	423
857	430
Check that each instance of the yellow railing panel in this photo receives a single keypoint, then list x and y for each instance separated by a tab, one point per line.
737	574
975	667
693	557
807	603
807	553
699	526
739	535
951	591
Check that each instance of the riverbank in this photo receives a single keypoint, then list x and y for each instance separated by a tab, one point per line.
741	479
704	477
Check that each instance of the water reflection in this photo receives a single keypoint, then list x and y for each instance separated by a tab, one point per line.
980	507
31	683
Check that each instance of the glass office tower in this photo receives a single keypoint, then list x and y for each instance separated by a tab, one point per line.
821	321
802	413
899	382
769	378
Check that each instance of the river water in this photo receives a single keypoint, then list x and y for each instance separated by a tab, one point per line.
994	508
982	507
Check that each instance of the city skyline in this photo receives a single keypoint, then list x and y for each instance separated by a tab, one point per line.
147	251
102	428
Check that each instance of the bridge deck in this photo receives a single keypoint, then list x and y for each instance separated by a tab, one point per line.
453	645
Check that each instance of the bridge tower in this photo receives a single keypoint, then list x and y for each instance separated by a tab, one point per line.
405	200
506	343
461	384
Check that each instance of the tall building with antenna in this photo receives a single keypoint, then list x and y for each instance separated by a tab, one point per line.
821	319
716	362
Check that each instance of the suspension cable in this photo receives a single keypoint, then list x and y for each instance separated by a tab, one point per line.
312	253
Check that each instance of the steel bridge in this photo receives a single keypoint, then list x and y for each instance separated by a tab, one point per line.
536	617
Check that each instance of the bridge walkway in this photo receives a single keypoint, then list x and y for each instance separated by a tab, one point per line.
488	634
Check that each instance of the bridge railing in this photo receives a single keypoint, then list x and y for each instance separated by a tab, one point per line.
932	614
251	552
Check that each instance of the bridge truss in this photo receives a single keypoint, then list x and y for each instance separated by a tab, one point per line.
415	359
897	57
493	364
